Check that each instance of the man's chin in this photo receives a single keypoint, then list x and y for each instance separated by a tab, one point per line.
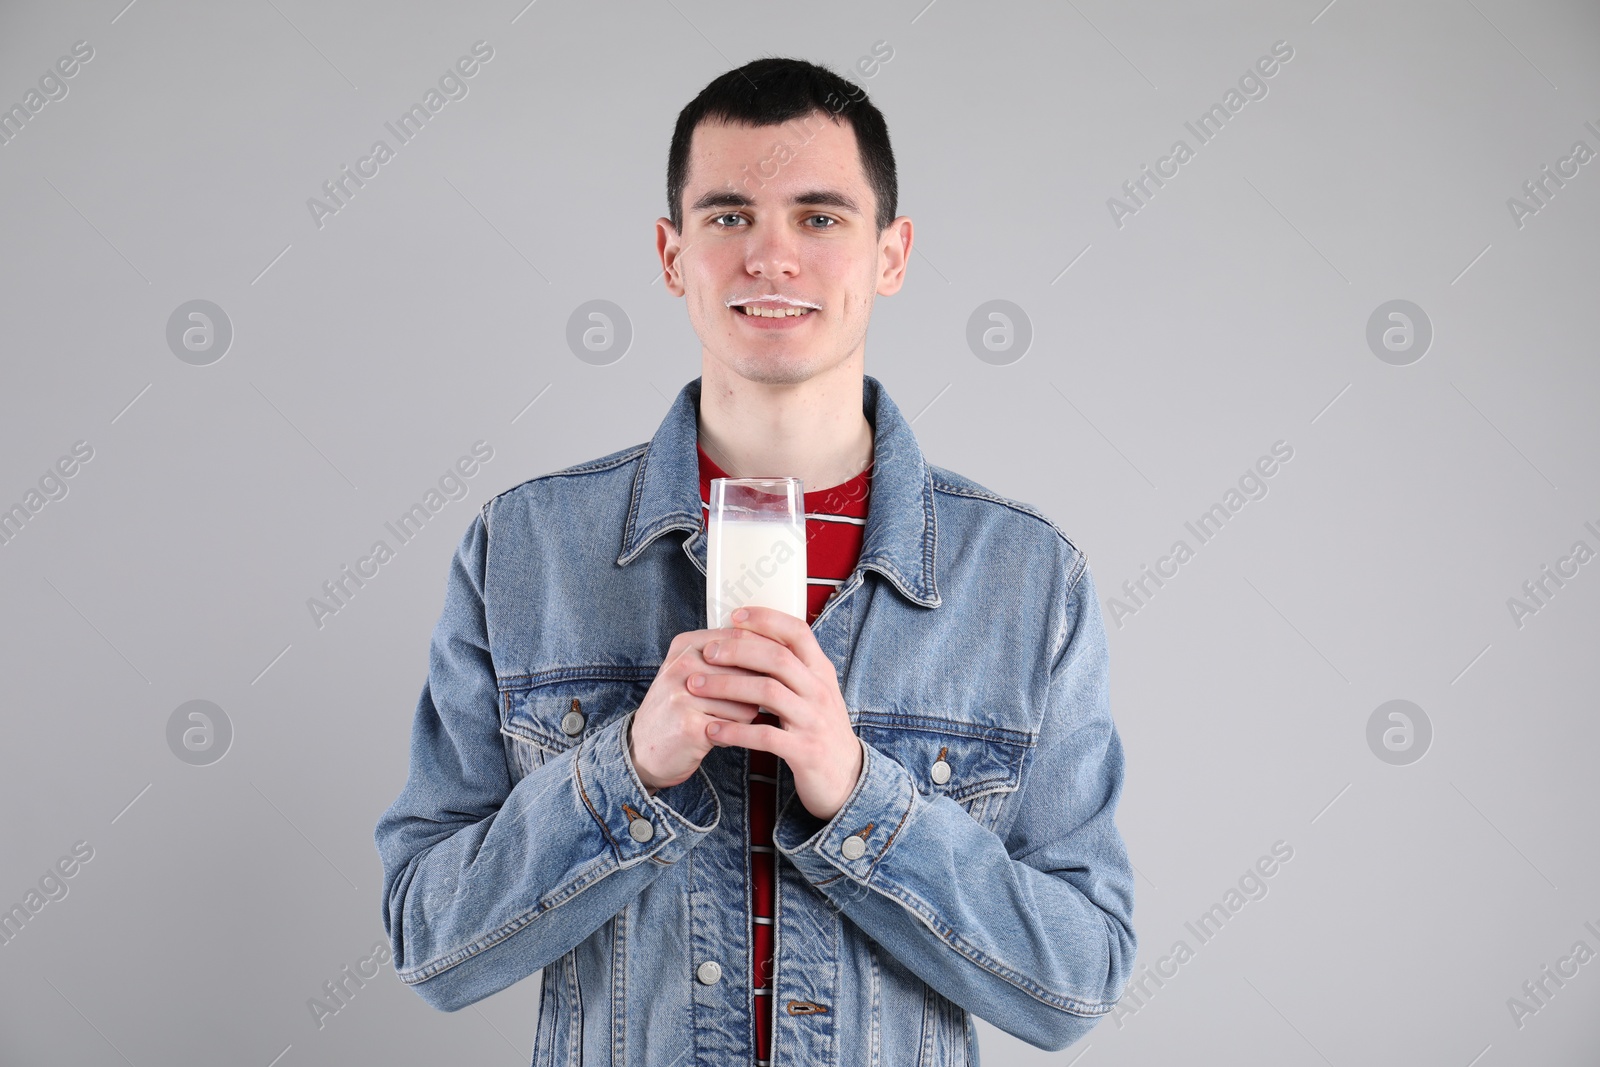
773	368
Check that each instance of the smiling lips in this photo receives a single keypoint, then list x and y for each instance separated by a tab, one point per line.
758	311
773	306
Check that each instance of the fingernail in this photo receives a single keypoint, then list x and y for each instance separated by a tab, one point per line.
740	615
714	728
698	680
711	649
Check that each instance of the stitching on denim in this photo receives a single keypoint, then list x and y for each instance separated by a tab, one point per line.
925	1037
975	790
539	742
542	734
874	1006
629	536
423	972
1077	572
901	582
994	498
1080	559
973	731
577	774
1066	632
657	804
633	497
676	520
604	463
930	534
1070	1004
575	1020
594	672
619	989
892	836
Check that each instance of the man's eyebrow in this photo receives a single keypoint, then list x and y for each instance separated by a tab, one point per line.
725	198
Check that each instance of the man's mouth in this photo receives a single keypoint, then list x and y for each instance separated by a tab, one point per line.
773	307
758	311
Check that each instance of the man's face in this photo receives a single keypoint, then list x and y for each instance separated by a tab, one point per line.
780	212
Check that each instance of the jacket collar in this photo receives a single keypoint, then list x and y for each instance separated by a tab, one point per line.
899	541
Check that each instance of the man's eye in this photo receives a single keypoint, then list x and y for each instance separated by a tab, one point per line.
720	221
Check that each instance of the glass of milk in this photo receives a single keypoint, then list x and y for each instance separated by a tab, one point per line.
756	547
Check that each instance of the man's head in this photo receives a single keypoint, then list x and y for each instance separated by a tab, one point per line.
781	184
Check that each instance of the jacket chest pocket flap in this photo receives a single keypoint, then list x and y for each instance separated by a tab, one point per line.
540	718
967	762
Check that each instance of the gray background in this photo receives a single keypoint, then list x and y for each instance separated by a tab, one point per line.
1229	313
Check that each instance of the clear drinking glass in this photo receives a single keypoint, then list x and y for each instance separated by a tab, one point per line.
756	547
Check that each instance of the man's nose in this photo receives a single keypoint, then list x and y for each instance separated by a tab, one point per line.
773	253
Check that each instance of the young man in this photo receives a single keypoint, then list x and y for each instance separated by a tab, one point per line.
819	844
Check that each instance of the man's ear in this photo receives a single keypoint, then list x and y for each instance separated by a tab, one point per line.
894	254
669	246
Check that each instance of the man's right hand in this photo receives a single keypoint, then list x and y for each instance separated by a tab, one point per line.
667	738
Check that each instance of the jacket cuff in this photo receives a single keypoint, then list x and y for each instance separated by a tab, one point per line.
860	833
640	826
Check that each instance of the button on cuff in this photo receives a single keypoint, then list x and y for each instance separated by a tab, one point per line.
637	825
859	833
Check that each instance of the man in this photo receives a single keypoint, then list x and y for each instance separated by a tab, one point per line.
772	842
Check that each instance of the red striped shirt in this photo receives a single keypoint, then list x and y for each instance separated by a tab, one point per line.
836	520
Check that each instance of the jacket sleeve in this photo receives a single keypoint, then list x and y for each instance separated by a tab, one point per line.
485	883
1032	932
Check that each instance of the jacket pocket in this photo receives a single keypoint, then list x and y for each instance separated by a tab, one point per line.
973	765
543	715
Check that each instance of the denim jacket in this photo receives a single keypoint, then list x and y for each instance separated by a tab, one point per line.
975	869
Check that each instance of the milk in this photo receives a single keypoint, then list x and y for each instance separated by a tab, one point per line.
754	562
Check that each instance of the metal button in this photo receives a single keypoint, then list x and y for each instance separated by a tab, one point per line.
941	772
641	830
572	723
709	972
853	847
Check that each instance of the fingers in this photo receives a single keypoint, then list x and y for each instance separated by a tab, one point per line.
789	631
686	659
695	662
692	642
763	655
727	711
758	736
756	689
733	710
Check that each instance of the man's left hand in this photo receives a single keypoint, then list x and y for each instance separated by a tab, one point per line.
793	679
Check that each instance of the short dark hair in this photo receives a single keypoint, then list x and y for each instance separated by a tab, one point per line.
771	91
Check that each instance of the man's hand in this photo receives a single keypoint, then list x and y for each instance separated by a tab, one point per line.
667	738
787	673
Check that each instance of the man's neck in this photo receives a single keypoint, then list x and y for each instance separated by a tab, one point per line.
815	430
